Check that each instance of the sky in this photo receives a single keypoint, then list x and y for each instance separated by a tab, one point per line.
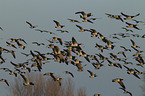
15	13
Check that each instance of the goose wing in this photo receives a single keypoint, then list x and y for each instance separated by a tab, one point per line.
60	40
136	75
82	12
124	54
79	27
128	23
22	40
6	82
25	78
29	23
71	74
137	14
54	78
74	40
91	73
122	84
57	23
133	43
13	53
126	67
124	14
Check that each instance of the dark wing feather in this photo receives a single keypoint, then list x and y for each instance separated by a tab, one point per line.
29	23
122	84
25	78
124	14
91	73
57	23
79	27
6	82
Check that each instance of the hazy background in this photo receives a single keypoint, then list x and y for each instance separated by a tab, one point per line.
15	13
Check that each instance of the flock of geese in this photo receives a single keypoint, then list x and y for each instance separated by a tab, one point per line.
72	50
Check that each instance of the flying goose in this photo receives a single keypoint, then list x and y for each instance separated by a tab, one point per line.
129	16
118	17
109	15
138	72
114	56
11	45
59	80
69	55
118	65
18	43
137	21
81	28
92	74
58	24
132	25
34	55
31	26
97	94
131	71
100	47
86	20
127	29
123	53
119	80
125	49
94	33
98	65
84	15
39	67
51	74
125	91
3	60
22	40
4	80
25	54
62	31
1	28
79	66
72	20
67	72
27	82
41	30
140	59
102	57
10	71
94	58
16	65
138	51
13	40
42	55
38	44
21	46
74	43
134	44
59	39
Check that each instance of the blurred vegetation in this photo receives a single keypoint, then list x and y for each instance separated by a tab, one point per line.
44	86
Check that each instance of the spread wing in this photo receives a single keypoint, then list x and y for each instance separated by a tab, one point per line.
79	27
91	73
25	78
122	84
57	23
29	23
124	14
6	82
133	43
